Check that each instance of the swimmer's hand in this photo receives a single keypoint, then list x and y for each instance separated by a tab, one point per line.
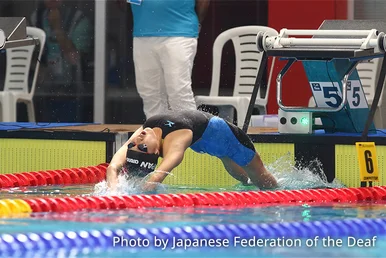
149	187
155	178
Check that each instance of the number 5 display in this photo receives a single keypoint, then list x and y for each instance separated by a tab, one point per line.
328	94
355	95
332	96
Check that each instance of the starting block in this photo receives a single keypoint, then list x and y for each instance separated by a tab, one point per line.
329	56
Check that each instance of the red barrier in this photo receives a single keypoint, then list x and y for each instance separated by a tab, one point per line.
67	180
40	178
5	181
32	179
16	181
262	198
58	179
94	174
83	175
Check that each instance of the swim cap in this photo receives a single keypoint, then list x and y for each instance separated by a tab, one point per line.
139	163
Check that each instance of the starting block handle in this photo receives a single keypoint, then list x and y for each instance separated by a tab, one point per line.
289	42
338	39
359	33
307	109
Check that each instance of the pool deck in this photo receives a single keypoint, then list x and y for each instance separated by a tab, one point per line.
115	128
91	132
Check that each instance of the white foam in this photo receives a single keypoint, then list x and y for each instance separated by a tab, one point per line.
291	177
126	186
288	176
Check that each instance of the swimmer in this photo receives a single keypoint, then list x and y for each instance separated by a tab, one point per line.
170	135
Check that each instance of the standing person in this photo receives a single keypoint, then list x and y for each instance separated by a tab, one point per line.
164	47
66	56
69	39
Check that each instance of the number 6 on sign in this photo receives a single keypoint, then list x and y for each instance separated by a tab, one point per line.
368	163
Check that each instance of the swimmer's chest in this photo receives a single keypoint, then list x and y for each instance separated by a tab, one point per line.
168	125
192	120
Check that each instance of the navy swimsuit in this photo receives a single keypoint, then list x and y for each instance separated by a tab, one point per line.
211	134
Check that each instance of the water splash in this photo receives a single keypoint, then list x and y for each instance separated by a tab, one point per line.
127	185
308	176
289	177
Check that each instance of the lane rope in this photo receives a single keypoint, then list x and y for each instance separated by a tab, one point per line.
233	233
70	176
255	198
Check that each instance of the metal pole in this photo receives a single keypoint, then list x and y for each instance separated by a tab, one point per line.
377	95
350	10
374	105
326	42
279	79
326	32
100	61
258	82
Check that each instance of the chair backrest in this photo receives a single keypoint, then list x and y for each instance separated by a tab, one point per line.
368	72
248	59
19	63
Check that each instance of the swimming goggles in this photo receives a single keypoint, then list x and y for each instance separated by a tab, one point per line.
141	147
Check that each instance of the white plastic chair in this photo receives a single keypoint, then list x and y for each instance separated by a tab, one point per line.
16	79
247	64
368	72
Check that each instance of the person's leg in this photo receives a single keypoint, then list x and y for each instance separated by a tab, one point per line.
259	174
148	76
235	170
242	151
177	58
237	152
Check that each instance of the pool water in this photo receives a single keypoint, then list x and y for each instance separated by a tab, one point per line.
279	252
290	178
191	216
187	216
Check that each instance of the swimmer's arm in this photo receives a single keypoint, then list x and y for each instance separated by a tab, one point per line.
173	156
118	161
168	164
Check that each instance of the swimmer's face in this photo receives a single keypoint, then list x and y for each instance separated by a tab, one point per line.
146	142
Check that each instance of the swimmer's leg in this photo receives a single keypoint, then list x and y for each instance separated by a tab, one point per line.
235	170
259	174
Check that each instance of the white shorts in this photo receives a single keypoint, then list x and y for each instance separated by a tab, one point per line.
163	71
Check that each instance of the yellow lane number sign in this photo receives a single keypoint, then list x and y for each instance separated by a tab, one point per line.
368	163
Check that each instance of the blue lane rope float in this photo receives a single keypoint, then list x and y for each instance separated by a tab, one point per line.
103	239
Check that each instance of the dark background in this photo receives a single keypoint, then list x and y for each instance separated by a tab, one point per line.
123	105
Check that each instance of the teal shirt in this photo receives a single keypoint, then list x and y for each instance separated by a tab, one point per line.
80	35
165	18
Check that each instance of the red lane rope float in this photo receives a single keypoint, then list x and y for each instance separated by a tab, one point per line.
69	176
256	198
